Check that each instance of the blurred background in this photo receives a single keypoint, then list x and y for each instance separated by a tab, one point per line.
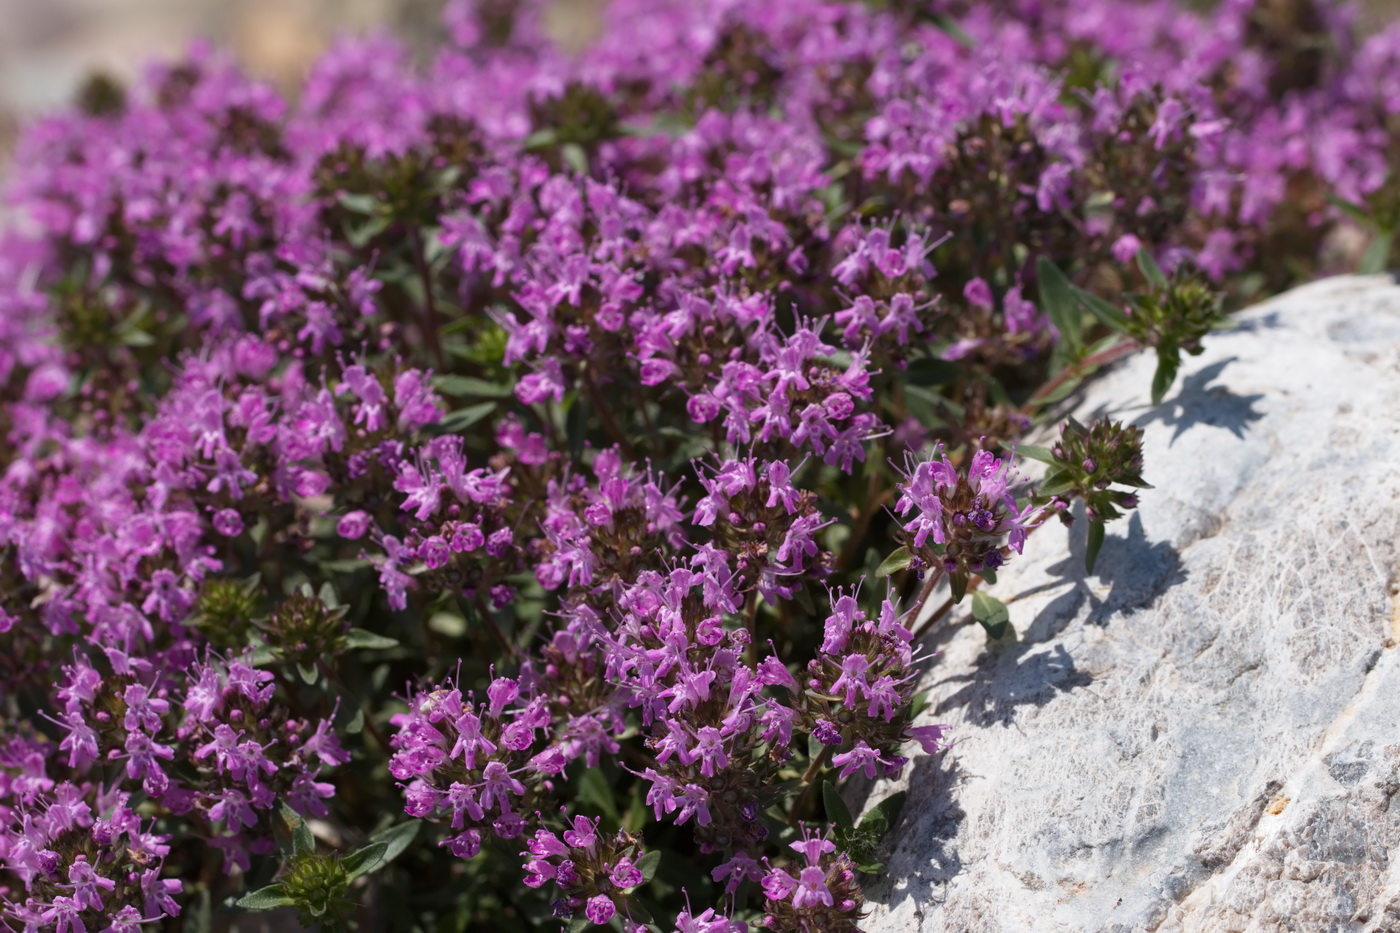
47	47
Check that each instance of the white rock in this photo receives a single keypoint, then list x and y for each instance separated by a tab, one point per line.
1205	734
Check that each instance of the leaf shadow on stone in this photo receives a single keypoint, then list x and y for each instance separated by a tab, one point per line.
1270	321
931	820
1010	675
1009	678
1137	571
1197	402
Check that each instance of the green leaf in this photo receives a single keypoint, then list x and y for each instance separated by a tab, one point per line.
358	203
397	838
1091	552
836	809
1110	315
360	638
991	612
574	157
896	562
594	790
949	26
349	565
356	725
468	387
1057	296
1057	483
1043	454
882	816
918	704
931	371
1063	390
363	861
540	139
637	812
958	583
292	834
579	925
308	672
804	601
268	898
1377	255
136	338
872	868
360	235
1355	211
648	863
889	808
1150	270
199	913
458	421
988	574
1168	362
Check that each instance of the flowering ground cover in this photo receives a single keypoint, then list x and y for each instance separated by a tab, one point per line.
518	479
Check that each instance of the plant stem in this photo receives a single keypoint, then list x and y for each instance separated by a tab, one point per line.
935	574
430	317
605	413
939	613
874	498
1082	368
332	673
490	619
810	780
751	623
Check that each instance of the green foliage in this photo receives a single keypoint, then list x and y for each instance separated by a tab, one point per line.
991	613
318	884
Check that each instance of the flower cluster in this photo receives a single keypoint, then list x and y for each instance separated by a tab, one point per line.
567	389
1085	464
87	860
593	870
820	893
956	520
464	760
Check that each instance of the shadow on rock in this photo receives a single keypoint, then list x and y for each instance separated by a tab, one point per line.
1270	321
929	822
1137	570
1198	402
1011	677
1028	671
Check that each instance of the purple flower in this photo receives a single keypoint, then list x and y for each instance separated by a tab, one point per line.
778	885
978	294
811	889
600	909
434	552
228	523
931	738
625	874
353	525
860	758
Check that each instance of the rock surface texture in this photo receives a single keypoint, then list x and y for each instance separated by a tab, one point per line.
1204	735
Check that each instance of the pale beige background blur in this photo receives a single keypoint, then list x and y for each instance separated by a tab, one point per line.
47	47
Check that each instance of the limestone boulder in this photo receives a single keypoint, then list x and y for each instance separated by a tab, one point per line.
1203	735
